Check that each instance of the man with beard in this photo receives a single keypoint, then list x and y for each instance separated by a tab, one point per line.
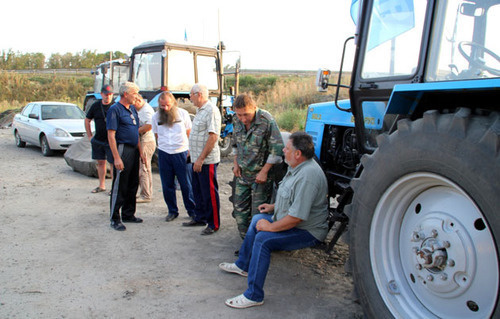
171	126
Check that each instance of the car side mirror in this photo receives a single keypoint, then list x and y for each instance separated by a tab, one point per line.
33	116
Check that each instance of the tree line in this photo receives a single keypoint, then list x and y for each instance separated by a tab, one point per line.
86	59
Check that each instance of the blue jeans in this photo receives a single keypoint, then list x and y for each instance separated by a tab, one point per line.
255	252
172	165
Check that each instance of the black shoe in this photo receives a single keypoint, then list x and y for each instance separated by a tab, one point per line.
193	222
118	226
207	231
135	220
170	217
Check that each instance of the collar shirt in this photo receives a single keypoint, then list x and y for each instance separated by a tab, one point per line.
145	117
125	122
303	194
173	139
207	120
261	144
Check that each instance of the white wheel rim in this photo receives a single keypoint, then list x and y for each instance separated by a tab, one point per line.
439	262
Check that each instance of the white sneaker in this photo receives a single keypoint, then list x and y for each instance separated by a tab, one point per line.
242	302
231	267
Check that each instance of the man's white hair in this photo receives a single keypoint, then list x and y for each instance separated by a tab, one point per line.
127	87
200	88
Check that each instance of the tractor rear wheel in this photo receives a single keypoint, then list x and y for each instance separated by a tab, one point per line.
425	222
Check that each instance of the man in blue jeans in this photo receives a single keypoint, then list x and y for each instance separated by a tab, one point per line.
299	220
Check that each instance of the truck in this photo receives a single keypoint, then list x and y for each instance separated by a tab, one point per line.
158	66
113	72
412	158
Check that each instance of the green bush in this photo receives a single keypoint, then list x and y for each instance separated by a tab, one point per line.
257	85
292	120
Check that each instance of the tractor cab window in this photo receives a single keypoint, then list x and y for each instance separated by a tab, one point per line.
120	76
98	81
147	70
464	41
394	40
207	71
180	70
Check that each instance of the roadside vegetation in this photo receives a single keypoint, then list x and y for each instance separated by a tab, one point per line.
286	97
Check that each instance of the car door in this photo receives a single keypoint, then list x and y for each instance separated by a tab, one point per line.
33	124
21	121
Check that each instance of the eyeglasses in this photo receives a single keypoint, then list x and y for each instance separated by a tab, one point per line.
133	119
193	94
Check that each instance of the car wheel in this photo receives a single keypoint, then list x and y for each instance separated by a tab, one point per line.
44	144
19	141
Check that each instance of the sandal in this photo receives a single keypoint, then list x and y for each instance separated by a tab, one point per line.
242	302
98	190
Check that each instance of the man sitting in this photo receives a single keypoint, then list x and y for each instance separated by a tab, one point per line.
299	220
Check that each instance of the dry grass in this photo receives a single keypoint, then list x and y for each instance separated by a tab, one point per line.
289	98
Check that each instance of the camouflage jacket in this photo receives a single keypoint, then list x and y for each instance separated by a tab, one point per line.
261	144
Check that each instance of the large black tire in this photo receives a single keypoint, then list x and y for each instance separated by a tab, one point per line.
425	220
44	144
226	145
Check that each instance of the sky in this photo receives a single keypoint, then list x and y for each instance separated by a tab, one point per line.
272	34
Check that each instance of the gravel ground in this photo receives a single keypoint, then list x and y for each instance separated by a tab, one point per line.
60	259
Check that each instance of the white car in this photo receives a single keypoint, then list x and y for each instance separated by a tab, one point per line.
51	125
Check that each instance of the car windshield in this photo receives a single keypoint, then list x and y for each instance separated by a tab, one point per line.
53	112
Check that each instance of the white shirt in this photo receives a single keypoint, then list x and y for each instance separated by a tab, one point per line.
145	117
174	139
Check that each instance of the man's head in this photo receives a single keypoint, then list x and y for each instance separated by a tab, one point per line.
298	149
128	93
199	95
167	108
245	108
139	102
107	94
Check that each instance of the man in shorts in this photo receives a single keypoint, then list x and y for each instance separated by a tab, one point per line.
99	141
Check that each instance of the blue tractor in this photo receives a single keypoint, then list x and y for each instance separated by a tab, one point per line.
413	157
113	72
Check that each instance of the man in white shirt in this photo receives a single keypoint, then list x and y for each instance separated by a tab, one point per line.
148	144
171	126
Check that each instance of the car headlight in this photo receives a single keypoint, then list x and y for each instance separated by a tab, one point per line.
61	133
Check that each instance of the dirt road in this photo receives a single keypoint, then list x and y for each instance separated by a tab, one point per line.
60	259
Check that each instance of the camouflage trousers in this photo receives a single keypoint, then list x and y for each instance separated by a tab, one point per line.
247	198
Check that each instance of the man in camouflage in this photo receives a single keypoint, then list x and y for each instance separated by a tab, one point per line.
259	146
